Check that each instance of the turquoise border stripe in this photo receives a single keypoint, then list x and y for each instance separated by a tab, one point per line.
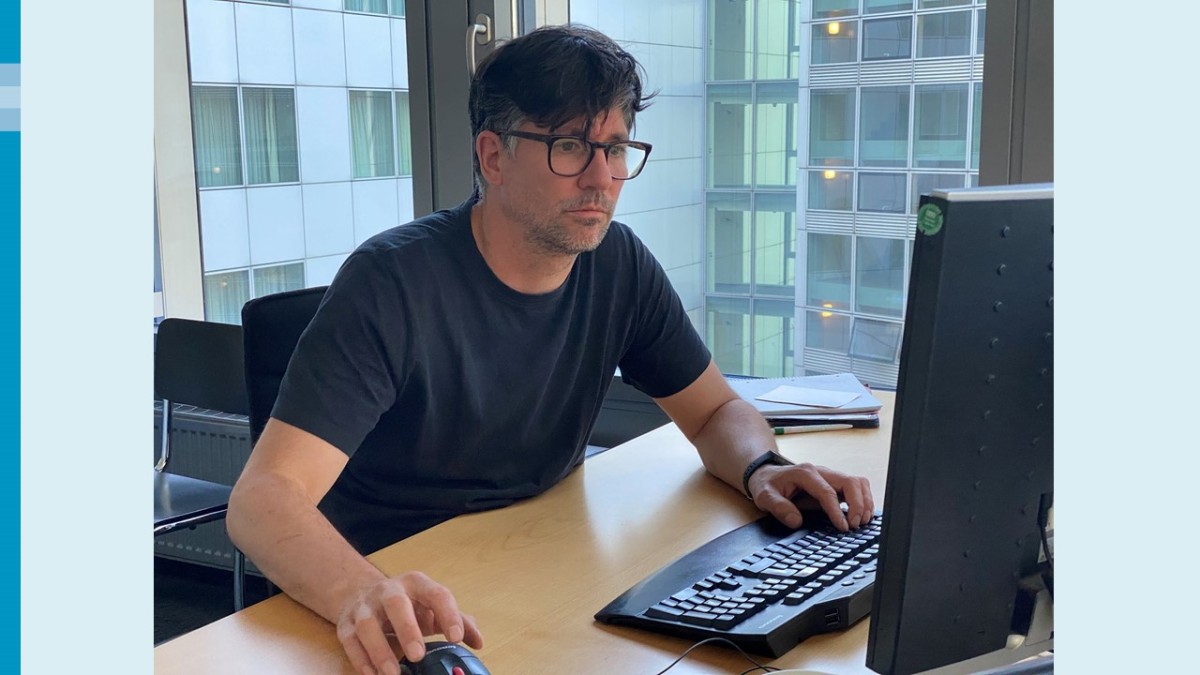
10	31
10	399
10	347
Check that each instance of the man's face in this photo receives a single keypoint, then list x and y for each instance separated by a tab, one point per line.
563	215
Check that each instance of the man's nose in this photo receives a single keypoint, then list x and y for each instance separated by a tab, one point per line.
597	174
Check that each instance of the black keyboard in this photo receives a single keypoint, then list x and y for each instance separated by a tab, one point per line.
762	586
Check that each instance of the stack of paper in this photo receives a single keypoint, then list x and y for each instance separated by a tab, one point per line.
817	399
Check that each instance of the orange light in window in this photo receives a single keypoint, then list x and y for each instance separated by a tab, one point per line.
830	174
826	315
834	28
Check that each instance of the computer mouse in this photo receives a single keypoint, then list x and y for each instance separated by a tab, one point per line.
444	658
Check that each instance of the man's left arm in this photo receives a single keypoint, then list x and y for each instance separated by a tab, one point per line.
729	434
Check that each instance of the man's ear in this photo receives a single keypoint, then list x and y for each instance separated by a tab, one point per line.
489	148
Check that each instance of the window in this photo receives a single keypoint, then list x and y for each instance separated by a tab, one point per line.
729	244
751	337
875	340
830	190
372	145
976	119
729	129
980	30
882	192
778	44
226	292
924	183
393	7
883	127
217	136
943	34
774	244
270	121
403	136
879	276
941	126
835	42
936	4
831	127
829	271
775	134
827	331
881	6
887	39
730	39
823	9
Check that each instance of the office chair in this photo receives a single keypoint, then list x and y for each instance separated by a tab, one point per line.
196	363
272	326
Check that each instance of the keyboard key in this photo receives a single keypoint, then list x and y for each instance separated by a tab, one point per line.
685	594
663	612
698	618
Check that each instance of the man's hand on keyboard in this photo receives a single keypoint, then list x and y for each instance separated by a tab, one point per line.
783	490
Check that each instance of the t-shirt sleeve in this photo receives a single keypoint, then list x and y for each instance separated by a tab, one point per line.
666	353
347	368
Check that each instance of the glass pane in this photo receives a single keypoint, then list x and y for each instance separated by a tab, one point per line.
835	42
398	8
729	135
887	39
831	127
775	244
941	126
373	6
882	192
980	30
730	39
729	243
879	279
371	145
880	6
270	135
828	331
775	136
403	136
934	4
217	138
828	271
883	139
772	338
728	333
224	295
924	183
830	190
778	39
944	34
976	119
830	8
278	278
875	340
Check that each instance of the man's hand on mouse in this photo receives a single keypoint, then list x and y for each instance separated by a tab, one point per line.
411	606
783	490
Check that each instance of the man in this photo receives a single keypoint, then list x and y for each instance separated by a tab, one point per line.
457	363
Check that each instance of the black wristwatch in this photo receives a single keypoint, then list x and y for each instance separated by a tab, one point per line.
758	463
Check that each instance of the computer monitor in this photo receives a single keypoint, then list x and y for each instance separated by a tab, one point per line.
971	475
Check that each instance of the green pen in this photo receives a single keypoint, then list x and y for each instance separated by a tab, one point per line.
779	431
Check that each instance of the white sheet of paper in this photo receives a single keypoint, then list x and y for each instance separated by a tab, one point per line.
820	398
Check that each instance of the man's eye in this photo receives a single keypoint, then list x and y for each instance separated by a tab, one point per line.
568	146
618	151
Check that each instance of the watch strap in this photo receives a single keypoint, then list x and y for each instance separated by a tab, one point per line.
758	463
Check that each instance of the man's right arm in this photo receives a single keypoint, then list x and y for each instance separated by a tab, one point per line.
273	519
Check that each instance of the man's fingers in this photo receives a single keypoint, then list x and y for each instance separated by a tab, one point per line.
440	601
354	649
471	635
774	503
858	509
369	633
399	610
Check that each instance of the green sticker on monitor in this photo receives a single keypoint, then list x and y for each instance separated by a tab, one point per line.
929	219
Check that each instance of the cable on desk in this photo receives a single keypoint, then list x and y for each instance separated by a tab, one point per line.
757	666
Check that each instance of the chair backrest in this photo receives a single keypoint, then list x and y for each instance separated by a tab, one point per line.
200	363
272	326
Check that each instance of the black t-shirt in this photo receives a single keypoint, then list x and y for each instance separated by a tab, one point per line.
451	392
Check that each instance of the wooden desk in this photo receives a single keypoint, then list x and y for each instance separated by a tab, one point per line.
534	573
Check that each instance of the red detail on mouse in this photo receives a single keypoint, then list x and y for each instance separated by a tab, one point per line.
445	658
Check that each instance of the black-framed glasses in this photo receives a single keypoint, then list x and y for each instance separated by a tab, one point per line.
570	156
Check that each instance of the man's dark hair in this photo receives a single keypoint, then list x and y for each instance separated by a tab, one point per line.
552	76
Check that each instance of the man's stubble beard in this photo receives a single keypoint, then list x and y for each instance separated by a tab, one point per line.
552	236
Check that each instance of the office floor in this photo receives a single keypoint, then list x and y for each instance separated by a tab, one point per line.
188	596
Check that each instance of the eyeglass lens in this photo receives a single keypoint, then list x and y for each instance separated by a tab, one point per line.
569	157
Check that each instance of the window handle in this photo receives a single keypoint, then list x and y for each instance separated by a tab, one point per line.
479	32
